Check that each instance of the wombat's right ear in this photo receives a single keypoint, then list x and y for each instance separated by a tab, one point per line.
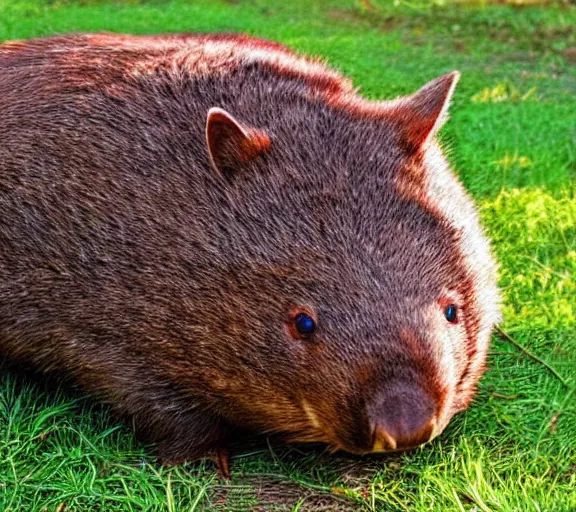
423	114
229	143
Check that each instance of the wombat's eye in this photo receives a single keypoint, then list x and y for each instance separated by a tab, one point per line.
304	324
451	313
301	323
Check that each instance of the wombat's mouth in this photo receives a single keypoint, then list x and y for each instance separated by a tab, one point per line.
400	439
387	441
396	423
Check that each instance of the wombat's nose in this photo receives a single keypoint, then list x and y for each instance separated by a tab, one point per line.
403	420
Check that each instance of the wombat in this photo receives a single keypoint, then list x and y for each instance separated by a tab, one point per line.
213	234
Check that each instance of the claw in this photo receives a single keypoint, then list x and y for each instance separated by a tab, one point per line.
222	460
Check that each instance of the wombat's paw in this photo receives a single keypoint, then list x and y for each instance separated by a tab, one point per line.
169	454
166	457
222	460
197	438
174	452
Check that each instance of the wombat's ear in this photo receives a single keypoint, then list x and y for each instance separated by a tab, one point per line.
229	143
423	114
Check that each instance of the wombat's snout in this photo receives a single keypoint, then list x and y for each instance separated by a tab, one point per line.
402	418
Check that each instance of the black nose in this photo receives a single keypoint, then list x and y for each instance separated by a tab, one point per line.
402	418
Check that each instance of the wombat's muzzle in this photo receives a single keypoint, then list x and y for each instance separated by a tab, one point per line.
401	418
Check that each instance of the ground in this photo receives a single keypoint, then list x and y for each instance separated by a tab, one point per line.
511	138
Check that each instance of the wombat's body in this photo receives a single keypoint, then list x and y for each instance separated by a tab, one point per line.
210	232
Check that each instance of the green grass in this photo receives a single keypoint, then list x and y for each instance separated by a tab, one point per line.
512	140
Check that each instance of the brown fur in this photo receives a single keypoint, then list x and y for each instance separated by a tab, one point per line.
162	270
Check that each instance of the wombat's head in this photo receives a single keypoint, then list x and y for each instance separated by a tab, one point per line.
359	293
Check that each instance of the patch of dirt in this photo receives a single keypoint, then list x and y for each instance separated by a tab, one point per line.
270	493
374	19
452	29
344	485
570	54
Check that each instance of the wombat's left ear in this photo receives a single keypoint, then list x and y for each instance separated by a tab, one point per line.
229	143
423	114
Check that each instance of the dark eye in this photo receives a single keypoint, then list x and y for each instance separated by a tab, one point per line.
304	324
451	313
